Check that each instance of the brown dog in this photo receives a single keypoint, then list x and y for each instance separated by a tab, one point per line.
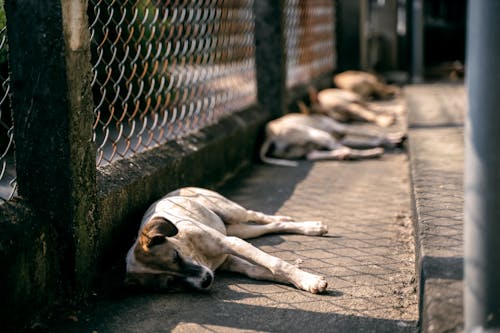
364	84
344	106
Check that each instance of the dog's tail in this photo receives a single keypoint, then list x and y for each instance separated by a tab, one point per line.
271	160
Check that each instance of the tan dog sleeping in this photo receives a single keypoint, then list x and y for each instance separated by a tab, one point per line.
319	137
191	232
364	84
344	106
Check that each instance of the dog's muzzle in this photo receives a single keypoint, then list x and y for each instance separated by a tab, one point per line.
200	277
206	281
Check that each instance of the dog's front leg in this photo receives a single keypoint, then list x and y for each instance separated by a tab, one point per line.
280	269
361	112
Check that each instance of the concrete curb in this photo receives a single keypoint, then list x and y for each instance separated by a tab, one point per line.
436	169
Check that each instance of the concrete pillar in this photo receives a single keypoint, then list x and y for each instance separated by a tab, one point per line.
482	176
49	55
270	56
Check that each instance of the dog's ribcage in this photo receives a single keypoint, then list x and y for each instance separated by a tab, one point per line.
184	210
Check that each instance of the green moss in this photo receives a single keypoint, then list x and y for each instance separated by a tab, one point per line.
3	20
4	51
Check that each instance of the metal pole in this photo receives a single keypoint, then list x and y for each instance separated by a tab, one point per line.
482	175
417	41
348	34
364	33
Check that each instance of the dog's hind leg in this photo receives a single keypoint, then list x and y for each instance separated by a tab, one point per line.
261	218
282	270
247	230
362	140
344	153
242	266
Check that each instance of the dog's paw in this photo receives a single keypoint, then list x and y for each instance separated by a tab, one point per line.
394	140
385	120
313	283
313	228
298	262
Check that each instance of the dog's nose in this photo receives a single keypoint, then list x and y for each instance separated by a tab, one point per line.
207	281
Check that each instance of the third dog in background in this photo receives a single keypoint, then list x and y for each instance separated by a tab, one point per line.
364	84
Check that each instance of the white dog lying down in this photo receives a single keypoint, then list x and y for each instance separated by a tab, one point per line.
344	106
319	137
364	84
191	232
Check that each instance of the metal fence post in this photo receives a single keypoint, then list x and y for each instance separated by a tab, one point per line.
417	40
52	111
482	178
350	44
270	56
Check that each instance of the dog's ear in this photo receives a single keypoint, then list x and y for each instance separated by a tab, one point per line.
313	95
156	231
303	108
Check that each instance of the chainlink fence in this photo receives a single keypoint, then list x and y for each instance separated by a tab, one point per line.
7	164
309	39
165	68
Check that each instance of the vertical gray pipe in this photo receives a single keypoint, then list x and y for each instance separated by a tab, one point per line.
348	34
417	41
482	168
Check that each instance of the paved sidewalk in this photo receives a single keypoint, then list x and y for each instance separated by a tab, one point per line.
367	257
436	149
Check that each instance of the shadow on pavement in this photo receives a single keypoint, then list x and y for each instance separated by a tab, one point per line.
266	187
226	308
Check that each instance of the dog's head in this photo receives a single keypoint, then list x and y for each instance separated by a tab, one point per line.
156	260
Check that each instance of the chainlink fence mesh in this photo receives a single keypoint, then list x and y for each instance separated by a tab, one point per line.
309	39
165	68
7	163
